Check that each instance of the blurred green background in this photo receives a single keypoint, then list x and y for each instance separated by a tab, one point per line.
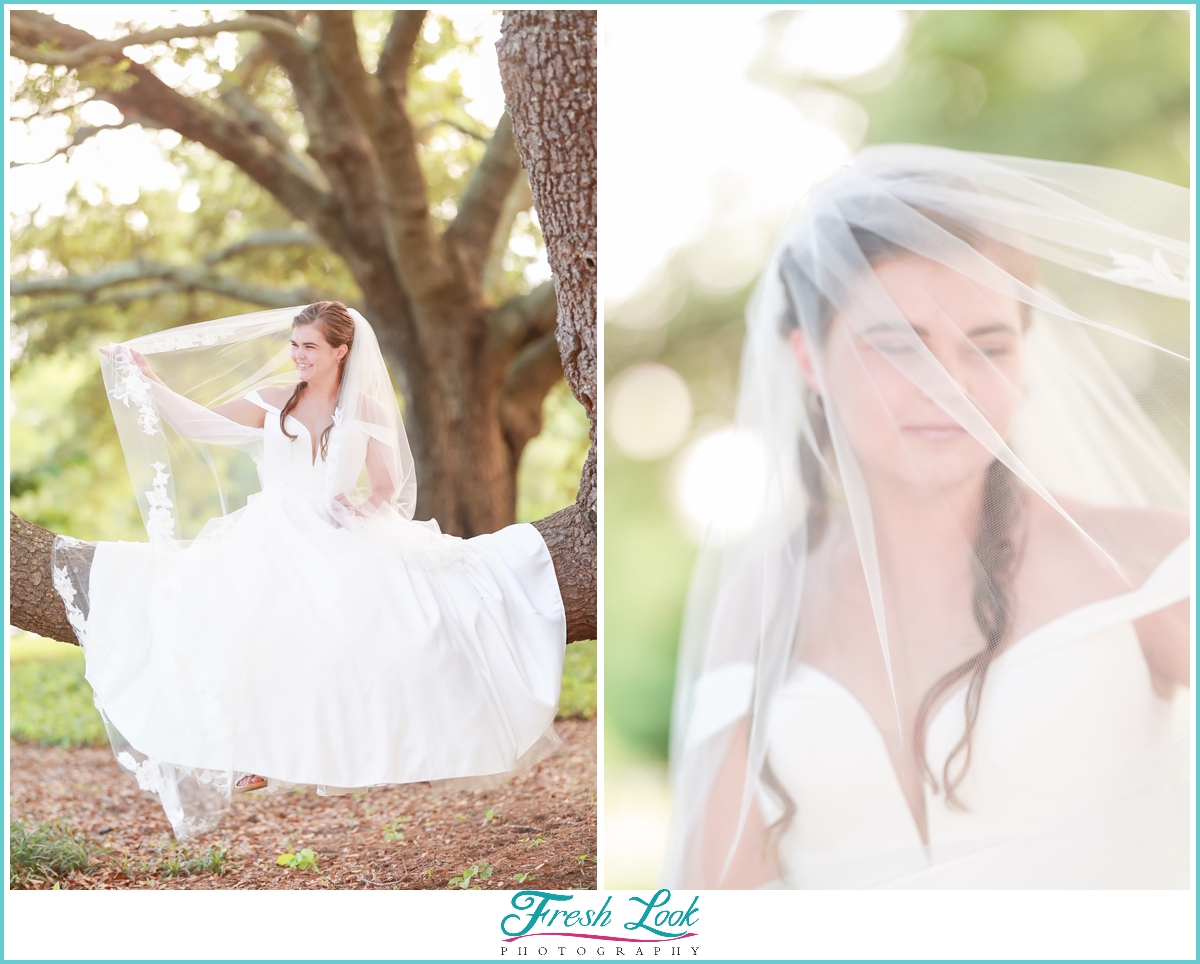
1098	87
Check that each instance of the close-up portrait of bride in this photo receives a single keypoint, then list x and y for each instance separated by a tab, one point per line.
936	631
322	560
954	650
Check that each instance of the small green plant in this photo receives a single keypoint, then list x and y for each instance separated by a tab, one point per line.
489	815
583	859
45	850
535	842
179	864
460	817
392	831
480	871
523	878
305	860
428	872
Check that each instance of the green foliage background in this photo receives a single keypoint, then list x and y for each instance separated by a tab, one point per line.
1097	87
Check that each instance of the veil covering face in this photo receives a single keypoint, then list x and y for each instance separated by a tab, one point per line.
948	650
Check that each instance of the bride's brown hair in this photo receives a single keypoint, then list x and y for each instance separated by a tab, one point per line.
337	326
999	538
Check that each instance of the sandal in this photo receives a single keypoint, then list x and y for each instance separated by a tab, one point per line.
250	781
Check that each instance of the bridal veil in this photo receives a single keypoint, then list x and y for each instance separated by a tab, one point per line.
966	378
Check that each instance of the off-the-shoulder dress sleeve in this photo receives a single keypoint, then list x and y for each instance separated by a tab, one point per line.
256	399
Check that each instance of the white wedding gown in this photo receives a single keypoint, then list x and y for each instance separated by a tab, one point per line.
1079	775
280	644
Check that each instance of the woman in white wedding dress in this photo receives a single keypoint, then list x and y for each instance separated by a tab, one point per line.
954	651
288	622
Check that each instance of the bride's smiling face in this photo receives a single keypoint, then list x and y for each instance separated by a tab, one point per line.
897	431
312	354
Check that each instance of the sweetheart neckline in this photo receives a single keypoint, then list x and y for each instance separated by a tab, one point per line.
1118	604
312	444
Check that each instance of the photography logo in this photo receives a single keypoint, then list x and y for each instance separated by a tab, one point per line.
661	926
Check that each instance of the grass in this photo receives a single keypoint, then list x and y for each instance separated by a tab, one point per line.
50	701
45	851
182	864
578	698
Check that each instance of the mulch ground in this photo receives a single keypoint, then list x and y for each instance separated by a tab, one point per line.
543	824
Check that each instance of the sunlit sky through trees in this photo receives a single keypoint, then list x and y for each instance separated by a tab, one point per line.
128	161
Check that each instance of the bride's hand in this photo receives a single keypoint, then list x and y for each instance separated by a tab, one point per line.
138	359
143	366
342	499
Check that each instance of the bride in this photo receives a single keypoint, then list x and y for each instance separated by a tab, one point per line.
955	649
288	622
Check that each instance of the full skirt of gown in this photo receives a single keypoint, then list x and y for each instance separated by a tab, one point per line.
282	645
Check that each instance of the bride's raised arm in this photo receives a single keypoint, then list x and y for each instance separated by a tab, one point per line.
221	425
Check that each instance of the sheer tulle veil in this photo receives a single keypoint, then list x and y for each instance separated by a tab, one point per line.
194	472
932	317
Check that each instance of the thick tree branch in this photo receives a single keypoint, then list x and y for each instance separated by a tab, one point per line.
339	47
519	199
521	320
482	204
411	235
397	54
123	299
182	278
34	605
96	49
341	147
149	97
281	238
263	124
530	376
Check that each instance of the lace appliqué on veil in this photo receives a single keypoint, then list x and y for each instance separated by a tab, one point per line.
160	523
134	387
64	587
1154	275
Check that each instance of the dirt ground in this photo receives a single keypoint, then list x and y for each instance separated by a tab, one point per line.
543	824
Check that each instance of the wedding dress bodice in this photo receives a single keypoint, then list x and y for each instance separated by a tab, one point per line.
288	463
1078	775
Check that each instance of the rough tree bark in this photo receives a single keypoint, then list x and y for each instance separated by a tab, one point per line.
474	375
548	67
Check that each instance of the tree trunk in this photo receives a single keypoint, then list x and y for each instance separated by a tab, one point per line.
548	69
